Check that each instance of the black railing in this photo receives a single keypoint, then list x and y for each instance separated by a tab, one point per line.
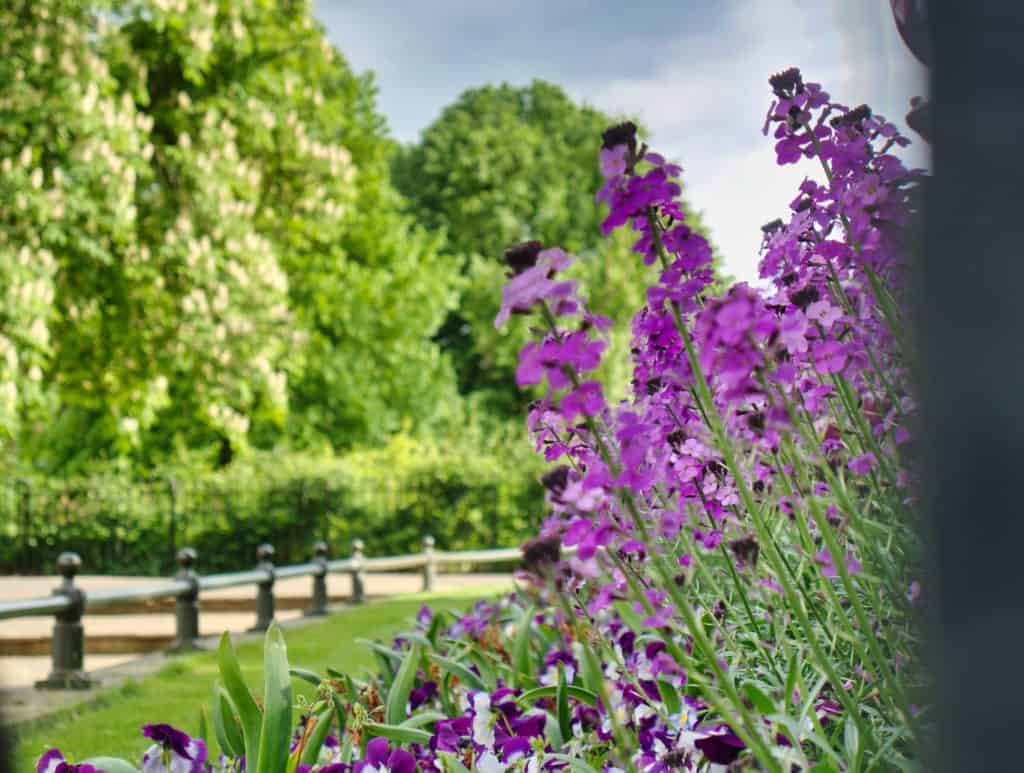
69	602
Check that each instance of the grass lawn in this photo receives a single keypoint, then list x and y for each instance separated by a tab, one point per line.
110	726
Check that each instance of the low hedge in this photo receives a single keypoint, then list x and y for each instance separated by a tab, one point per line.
389	497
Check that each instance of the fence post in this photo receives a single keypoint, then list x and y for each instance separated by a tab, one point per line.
358	576
186	605
319	601
430	567
265	590
67	647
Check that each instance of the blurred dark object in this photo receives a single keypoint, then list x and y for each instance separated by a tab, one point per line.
912	22
970	347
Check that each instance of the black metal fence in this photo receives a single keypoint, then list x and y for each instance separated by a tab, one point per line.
69	602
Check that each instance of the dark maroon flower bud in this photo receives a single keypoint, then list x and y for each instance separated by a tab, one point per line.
676	438
541	554
620	134
852	117
804	297
680	579
716	468
745	549
653	386
790	278
719	610
920	118
787	83
756	422
555	480
523	256
770	228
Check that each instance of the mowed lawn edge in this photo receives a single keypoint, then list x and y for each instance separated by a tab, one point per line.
111	724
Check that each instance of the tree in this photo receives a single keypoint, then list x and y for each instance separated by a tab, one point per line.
501	165
214	249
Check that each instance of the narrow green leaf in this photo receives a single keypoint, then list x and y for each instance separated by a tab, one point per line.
276	733
245	704
590	671
523	671
670	697
204	731
306	675
398	695
581	694
562	702
398	733
574	763
225	724
792	675
467	677
311	751
758	697
424	718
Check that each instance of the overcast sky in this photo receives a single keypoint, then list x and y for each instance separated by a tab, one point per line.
694	71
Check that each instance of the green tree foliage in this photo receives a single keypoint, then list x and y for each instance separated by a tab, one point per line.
501	165
199	241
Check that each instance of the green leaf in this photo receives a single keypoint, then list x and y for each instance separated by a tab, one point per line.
590	671
398	695
670	697
562	702
467	677
311	751
204	732
581	694
225	724
424	718
244	703
851	740
111	765
276	733
306	675
398	733
523	671
758	697
792	675
452	764
574	763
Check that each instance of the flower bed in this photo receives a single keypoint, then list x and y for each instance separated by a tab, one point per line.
743	588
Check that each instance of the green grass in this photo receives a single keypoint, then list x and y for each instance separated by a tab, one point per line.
110	725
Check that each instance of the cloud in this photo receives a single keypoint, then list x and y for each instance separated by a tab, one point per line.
694	72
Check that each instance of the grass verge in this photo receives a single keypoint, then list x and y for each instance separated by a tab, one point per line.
110	725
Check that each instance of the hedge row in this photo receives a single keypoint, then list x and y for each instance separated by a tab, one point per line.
390	497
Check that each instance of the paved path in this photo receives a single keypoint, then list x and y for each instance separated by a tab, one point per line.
24	671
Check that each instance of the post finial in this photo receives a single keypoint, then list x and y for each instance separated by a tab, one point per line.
68	564
320	549
187	557
265	553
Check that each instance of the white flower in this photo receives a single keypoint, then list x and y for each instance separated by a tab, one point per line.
483	730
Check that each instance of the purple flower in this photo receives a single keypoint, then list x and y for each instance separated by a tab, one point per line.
535	284
173	752
828	568
863	464
53	762
380	758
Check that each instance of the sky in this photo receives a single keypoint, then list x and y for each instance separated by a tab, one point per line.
693	71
